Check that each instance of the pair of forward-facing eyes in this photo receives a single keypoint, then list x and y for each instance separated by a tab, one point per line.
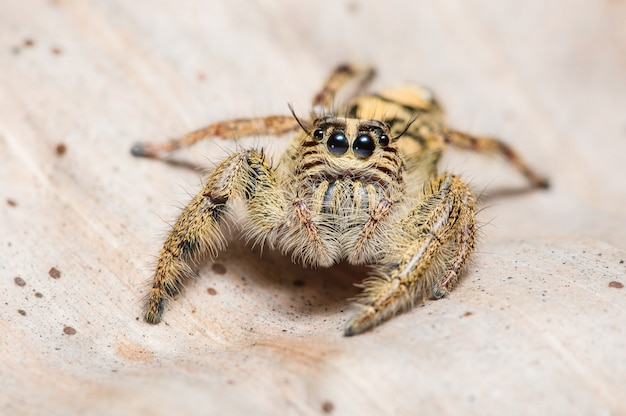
363	145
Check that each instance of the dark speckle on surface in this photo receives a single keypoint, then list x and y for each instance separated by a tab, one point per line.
68	330
60	149
54	273
328	407
218	268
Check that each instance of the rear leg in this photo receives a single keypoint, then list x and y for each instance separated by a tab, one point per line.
242	127
489	145
340	77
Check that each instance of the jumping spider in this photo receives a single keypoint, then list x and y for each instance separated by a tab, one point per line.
359	184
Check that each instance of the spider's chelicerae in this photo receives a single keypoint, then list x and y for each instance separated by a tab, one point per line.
359	184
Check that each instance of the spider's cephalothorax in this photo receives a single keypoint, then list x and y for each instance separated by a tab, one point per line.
363	188
339	173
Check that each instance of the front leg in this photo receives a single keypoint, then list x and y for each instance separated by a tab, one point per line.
197	230
434	242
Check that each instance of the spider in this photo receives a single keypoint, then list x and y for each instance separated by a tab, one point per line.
359	184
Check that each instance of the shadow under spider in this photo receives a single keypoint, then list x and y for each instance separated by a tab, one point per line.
272	275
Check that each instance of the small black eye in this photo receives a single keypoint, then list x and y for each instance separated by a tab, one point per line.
338	143
383	140
363	146
318	134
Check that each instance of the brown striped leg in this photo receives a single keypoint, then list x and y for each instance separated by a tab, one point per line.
490	145
196	233
437	238
242	127
341	76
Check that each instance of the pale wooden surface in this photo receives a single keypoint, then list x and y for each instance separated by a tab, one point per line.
535	327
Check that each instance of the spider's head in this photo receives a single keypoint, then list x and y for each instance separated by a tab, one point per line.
349	150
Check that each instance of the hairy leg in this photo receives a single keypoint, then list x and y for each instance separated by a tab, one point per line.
197	233
337	79
490	145
436	239
241	127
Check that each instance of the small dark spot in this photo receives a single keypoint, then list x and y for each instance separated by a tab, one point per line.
468	313
218	268
21	312
19	281
231	382
28	43
212	291
56	50
328	407
68	330
621	262
299	282
38	295
60	149
201	76
54	273
616	285
11	203
352	6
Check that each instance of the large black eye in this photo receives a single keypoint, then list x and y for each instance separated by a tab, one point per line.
383	140
363	146
318	134
338	143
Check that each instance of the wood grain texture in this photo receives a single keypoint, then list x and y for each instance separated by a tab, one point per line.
536	327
